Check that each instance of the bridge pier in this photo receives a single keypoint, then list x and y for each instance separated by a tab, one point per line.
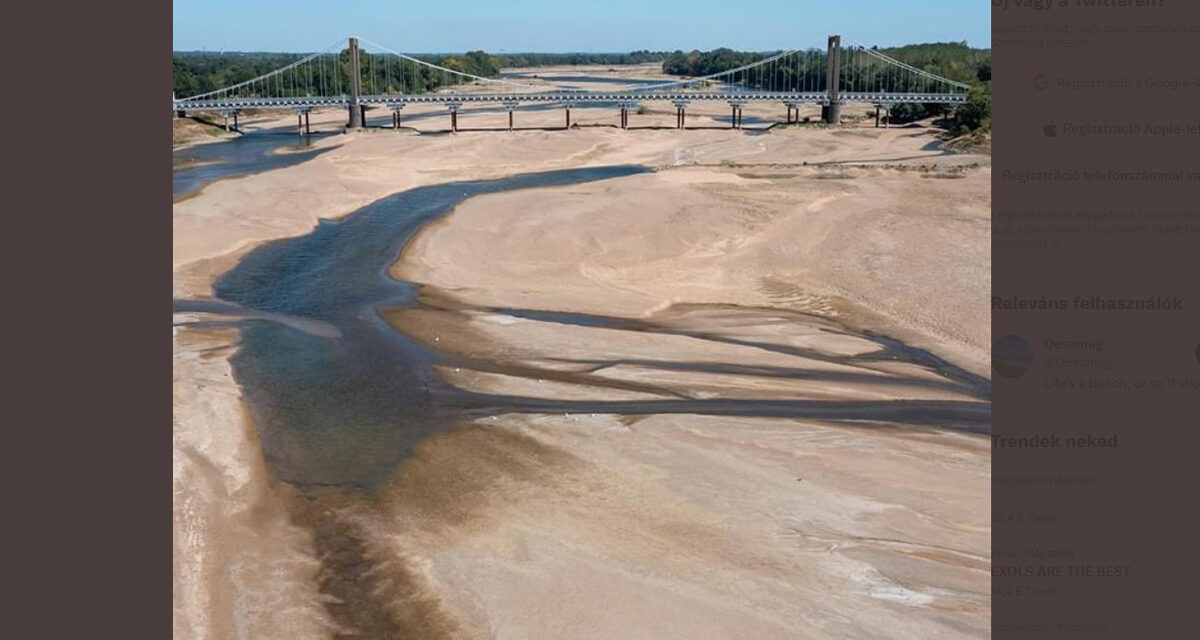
680	113
302	121
833	112
568	118
834	115
510	105
395	108
735	115
357	113
453	106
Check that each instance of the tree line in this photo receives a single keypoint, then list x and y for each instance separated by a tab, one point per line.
954	60
196	72
573	59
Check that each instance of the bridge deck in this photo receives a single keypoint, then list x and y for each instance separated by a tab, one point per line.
562	97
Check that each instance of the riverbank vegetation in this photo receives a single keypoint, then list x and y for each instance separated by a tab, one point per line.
954	60
197	72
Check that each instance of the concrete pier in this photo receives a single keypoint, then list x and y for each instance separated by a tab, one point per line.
833	73
356	110
395	108
511	105
680	113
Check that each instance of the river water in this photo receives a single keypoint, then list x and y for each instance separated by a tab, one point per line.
342	411
252	152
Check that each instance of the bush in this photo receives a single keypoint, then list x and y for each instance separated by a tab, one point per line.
910	111
976	113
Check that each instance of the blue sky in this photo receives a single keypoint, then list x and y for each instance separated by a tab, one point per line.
498	26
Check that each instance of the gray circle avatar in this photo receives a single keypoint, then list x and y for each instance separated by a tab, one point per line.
1012	356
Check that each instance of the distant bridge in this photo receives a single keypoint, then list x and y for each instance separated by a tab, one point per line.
355	79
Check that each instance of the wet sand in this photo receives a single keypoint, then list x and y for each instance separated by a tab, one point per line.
762	277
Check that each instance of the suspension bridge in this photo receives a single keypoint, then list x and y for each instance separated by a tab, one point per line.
356	78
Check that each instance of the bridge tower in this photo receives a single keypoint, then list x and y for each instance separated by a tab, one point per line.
356	114
833	73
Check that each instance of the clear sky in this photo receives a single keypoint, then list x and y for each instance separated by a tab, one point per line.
499	26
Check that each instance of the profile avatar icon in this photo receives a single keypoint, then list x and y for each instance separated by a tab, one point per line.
1012	356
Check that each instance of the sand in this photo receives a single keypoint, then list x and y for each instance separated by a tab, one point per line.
608	526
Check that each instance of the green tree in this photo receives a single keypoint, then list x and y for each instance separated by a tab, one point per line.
976	113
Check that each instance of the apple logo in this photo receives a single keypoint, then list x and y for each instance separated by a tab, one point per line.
1050	130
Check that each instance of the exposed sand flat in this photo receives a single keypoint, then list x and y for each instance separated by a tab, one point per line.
679	526
241	568
746	264
210	232
912	248
716	527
